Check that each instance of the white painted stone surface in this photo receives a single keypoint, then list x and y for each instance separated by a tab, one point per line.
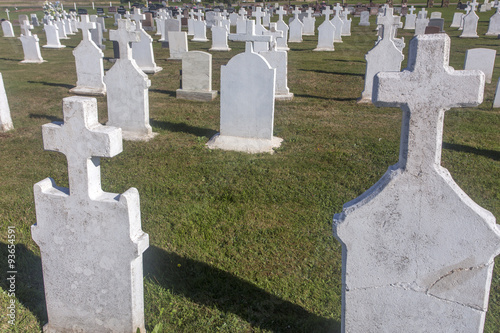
52	35
279	61
219	39
346	27
31	45
384	57
5	118
435	15
417	252
309	23
88	61
7	29
326	33
171	25
247	101
196	77
494	25
410	19
241	22
338	24
61	28
296	28
233	17
470	23
177	45
142	51
481	59
496	101
282	43
457	19
364	19
127	89
421	22
97	36
200	31
91	242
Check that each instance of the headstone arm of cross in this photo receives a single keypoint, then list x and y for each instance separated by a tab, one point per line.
124	35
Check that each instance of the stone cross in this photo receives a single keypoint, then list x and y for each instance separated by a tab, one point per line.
124	35
250	37
218	19
388	21
280	13
296	13
85	25
473	5
199	13
243	13
25	27
275	34
309	12
138	17
258	14
191	14
338	9
327	12
7	11
422	13
412	9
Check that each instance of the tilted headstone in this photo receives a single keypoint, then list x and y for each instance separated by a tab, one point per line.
326	33
142	51
417	252
196	77
421	22
410	19
296	28
338	24
88	61
470	23
385	56
457	19
200	28
126	79
494	26
364	19
481	59
209	18
309	23
7	29
282	43
5	118
247	100
177	45
31	46
52	36
91	242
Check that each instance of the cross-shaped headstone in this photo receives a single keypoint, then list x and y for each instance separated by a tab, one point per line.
199	13
338	9
83	140
327	12
242	12
412	9
296	13
473	5
191	14
388	23
249	37
26	27
258	14
138	17
425	90
85	25
7	11
422	13
280	13
309	12
124	35
218	19
275	34
224	13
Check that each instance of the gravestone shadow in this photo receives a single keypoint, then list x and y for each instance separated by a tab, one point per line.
183	127
67	86
45	116
493	154
334	73
166	92
338	99
213	287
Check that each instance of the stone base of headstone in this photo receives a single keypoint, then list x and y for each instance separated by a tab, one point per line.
246	145
88	91
54	46
134	136
196	95
364	100
324	49
151	70
199	40
32	61
220	49
283	97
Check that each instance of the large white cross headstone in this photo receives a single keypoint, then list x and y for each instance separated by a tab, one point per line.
85	25
250	37
124	36
26	27
138	17
280	13
415	245
327	12
91	241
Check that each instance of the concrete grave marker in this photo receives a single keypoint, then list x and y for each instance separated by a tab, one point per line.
88	60
364	18
338	23
52	34
346	27
435	15
417	252
437	22
247	100
91	242
241	22
97	34
470	23
126	79
177	45
410	19
494	26
309	23
421	22
296	28
5	119
7	29
200	29
481	59
142	51
196	77
457	19
326	33
31	46
219	35
496	101
61	28
282	43
191	20
259	14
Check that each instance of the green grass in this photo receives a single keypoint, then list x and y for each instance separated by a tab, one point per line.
238	243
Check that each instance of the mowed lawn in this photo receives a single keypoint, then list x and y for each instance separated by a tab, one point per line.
238	242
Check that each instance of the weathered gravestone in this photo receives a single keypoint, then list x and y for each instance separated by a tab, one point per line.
431	30
364	19
91	242
470	23
34	20
437	22
170	25
457	19
417	252
338	23
97	34
436	15
385	56
494	26
196	77
309	23
88	61
142	51
148	24
200	29
296	28
247	100
219	35
61	28
31	46
7	29
410	19
52	36
282	43
346	27
127	88
421	22
326	33
496	101
5	119
177	45
481	59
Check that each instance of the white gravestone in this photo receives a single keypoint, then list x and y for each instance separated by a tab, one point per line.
52	34
160	22
309	23
200	29
481	59
171	25
266	19
247	100
346	27
338	24
7	29
96	34
385	56
219	35
410	19
435	15
417	252
177	45
142	51
88	60
364	19
233	18
296	28
196	77
457	19
31	45
5	119
494	26
421	22
326	33
34	20
91	242
209	18
470	23
259	14
127	88
241	22
101	21
282	43
496	101
191	20
61	28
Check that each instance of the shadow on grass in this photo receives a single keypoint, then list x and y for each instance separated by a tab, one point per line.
183	127
29	280
8	59
166	92
45	116
494	155
204	284
328	72
67	86
338	99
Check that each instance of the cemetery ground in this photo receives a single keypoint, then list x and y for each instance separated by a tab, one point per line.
238	242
